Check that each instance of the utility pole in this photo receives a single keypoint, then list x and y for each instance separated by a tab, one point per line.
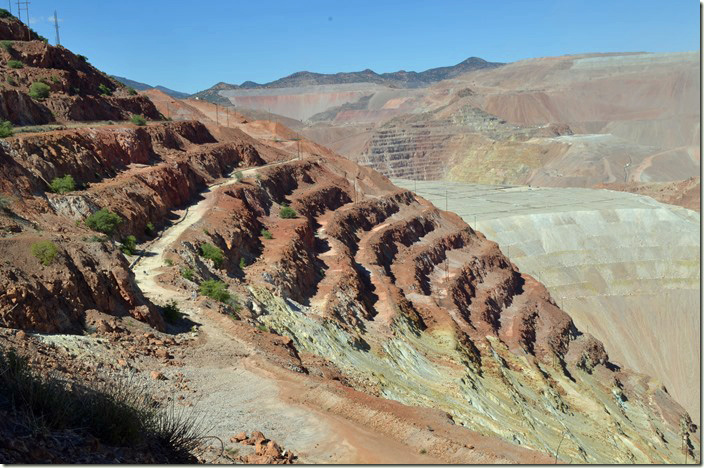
9	6
56	25
20	4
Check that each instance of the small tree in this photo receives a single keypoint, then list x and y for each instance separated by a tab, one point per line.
215	289
129	245
82	58
63	184
39	90
104	90
286	212
138	120
213	253
104	221
267	234
6	129
15	64
45	251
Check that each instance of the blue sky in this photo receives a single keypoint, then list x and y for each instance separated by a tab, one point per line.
189	46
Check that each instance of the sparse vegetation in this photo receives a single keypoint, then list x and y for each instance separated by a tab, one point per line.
266	234
7	45
129	245
286	212
131	91
104	221
39	90
16	64
187	273
172	313
104	90
213	253
239	176
6	129
138	120
63	184
149	229
215	289
117	412
45	251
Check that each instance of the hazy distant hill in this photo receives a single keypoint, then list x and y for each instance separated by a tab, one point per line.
399	79
143	87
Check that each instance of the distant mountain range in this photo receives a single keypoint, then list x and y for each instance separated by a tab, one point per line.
143	87
399	79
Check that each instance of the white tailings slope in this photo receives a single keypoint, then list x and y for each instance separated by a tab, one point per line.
624	266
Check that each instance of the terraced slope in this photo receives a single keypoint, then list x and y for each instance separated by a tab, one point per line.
625	267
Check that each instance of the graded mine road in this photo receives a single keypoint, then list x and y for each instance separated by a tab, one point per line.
624	266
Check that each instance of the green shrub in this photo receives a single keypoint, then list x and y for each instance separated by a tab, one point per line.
104	221
187	273
45	251
5	14
138	120
239	175
171	311
7	45
6	129
15	64
243	263
149	229
55	79
117	412
82	57
286	212
39	90
213	253
63	184
215	289
131	91
129	245
104	90
169	262
11	81
267	234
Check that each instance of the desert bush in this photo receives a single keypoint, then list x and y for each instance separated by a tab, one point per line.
169	262
187	273
266	234
213	253
45	251
5	203
129	245
104	90
82	57
63	184
172	313
149	229
215	289
15	64
286	212
243	263
104	221
118	412
131	91
7	45
5	14
138	120
55	79
11	81
6	129
39	90
239	175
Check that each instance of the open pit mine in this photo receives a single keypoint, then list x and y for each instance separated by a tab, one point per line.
213	288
